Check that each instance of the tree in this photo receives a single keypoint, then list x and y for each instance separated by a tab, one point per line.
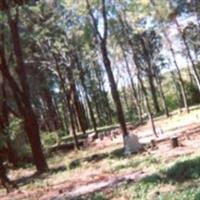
102	39
21	91
181	82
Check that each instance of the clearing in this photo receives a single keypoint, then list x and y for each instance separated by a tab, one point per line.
101	171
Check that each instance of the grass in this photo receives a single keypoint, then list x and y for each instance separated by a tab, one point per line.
171	179
180	181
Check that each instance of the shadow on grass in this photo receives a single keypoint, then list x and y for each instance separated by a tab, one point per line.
197	196
116	154
184	170
179	172
96	196
28	179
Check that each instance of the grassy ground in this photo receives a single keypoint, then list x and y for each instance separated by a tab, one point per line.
180	181
174	173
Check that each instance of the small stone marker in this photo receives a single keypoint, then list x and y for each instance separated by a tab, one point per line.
131	144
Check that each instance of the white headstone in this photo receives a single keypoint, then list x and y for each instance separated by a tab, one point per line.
131	144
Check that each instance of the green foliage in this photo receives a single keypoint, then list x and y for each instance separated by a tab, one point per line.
49	139
171	101
19	140
192	92
15	128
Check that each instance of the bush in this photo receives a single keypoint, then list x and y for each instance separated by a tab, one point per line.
171	102
192	92
49	139
19	140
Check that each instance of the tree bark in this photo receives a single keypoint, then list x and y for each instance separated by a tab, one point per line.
114	91
150	76
81	75
181	82
159	83
153	93
138	107
107	64
67	102
182	35
150	115
30	120
4	123
51	112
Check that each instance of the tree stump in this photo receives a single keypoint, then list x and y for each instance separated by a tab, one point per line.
174	142
153	144
101	136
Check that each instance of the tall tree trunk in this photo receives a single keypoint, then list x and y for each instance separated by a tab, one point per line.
182	35
159	83
150	115
4	123
81	75
72	116
150	75
22	96
75	100
178	92
153	93
105	102
181	82
143	89
125	100
138	107
51	112
128	146
67	102
114	91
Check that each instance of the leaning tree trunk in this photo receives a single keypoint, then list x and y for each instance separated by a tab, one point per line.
195	71
114	91
131	144
30	120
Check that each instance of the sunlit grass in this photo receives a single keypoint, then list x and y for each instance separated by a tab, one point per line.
179	181
110	160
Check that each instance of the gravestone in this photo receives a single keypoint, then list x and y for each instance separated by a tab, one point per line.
131	144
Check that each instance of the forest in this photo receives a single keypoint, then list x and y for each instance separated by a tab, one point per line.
99	99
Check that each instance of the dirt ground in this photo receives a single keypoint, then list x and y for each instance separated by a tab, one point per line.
185	126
